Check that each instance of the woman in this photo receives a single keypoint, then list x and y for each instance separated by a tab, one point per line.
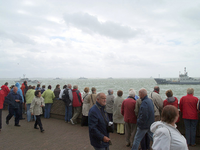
166	136
36	109
43	89
48	96
85	108
188	107
117	116
57	91
30	94
2	98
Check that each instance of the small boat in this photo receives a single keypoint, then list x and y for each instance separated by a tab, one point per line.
82	78
57	78
27	79
183	79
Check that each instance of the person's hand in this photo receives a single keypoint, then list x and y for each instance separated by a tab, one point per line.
17	100
106	139
31	114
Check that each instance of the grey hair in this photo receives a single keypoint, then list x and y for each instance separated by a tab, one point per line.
132	93
190	91
75	87
99	95
110	91
93	90
69	85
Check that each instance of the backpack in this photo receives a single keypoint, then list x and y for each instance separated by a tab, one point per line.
65	97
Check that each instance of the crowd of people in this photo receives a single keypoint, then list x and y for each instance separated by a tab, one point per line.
142	119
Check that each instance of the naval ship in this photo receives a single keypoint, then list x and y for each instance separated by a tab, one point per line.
183	79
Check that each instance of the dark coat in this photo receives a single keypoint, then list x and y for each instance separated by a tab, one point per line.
10	99
97	126
146	114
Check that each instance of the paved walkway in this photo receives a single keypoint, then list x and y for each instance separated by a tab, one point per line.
58	135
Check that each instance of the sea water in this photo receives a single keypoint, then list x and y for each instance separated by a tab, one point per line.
102	85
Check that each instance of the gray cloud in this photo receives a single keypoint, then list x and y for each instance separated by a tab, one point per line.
91	25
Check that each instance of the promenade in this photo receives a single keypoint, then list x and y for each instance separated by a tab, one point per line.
58	135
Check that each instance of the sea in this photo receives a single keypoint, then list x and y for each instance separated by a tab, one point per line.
124	84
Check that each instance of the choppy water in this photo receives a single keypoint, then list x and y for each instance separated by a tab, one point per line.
102	85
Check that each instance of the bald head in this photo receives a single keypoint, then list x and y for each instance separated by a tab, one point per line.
156	89
142	93
101	99
15	89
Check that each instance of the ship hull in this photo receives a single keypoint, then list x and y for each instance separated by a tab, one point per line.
164	81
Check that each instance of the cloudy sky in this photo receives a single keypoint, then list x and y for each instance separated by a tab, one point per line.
107	38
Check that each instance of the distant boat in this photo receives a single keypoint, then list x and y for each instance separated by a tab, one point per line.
183	79
57	78
110	78
82	78
27	79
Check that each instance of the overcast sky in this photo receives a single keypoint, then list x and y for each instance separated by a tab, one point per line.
104	38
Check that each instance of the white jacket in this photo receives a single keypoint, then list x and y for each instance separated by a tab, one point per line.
167	137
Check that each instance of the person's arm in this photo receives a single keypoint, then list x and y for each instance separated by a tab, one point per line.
53	95
136	108
122	109
42	103
180	105
143	116
161	139
70	95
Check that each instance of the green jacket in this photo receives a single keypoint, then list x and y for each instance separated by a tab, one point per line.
48	96
30	94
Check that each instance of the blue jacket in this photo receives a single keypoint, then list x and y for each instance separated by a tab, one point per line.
10	99
19	91
97	126
146	114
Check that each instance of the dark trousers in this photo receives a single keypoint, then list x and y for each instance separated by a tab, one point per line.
38	122
13	111
20	110
84	121
110	116
145	143
0	118
190	130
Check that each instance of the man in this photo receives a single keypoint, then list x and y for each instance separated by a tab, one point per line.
188	107
67	97
14	100
127	110
76	103
99	136
109	104
144	120
157	101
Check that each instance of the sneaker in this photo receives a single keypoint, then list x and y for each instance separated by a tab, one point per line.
71	121
17	125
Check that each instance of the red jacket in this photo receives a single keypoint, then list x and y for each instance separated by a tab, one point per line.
127	110
188	107
75	102
5	89
175	103
2	98
22	88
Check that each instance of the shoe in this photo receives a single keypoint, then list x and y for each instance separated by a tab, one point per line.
36	128
128	144
71	121
17	125
42	130
7	122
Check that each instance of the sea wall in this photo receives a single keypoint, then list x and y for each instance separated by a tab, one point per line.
58	111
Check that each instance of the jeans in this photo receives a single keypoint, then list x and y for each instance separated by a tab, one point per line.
145	143
139	136
47	110
13	111
105	148
190	130
68	113
28	113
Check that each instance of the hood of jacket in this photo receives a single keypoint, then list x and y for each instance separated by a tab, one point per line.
159	124
17	85
74	90
171	99
3	87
